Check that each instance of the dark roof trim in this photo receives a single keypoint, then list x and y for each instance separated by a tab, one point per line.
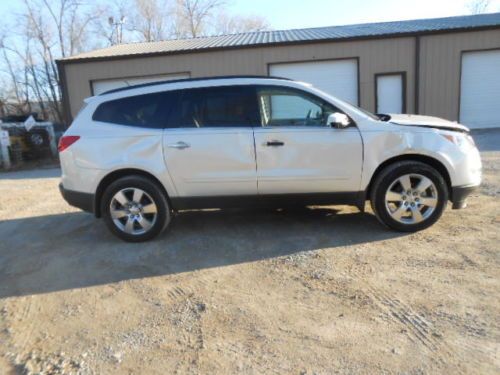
149	84
279	44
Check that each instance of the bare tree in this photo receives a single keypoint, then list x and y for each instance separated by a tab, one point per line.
228	24
16	91
45	30
123	21
63	23
150	19
193	17
12	90
478	6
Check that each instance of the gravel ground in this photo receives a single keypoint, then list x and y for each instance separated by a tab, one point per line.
312	291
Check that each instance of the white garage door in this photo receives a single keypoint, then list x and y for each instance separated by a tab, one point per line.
336	77
110	84
390	93
480	89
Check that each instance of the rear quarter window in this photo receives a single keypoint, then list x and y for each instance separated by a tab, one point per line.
145	111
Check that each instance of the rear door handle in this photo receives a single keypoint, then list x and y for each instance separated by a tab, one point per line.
179	145
274	143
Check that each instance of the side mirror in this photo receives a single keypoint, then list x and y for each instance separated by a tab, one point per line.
338	120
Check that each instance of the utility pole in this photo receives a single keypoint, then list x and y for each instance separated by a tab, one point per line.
117	30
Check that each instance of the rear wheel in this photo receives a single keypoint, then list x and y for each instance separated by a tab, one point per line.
135	209
409	196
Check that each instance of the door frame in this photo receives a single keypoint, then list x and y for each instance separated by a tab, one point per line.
403	93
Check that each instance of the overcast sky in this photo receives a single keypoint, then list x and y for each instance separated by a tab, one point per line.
289	14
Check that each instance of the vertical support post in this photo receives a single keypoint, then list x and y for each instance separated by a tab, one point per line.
52	139
5	155
417	75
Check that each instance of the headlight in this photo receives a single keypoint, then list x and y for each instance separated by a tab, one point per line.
464	141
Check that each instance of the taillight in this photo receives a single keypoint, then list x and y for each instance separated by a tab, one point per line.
67	141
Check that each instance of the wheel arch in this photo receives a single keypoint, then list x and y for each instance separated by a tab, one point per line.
115	175
433	162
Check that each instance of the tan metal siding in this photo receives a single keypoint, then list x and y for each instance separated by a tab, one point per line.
375	56
440	69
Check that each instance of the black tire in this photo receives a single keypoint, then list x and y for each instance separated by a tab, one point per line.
388	176
38	139
154	192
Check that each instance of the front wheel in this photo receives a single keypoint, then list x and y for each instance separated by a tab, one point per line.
135	209
409	196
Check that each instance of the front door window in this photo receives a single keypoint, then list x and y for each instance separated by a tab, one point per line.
285	107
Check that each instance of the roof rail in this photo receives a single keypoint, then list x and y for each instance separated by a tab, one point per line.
188	80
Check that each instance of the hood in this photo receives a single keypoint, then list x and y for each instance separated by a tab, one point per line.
427	122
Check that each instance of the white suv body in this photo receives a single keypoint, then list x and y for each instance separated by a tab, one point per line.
234	141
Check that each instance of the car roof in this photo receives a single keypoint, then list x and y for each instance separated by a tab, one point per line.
189	80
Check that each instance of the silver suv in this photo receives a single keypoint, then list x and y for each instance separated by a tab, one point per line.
133	156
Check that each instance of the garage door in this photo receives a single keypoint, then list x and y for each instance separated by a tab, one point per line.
336	77
480	89
110	84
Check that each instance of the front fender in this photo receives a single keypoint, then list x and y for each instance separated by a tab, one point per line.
381	146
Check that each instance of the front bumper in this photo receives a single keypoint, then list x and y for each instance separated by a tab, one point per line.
83	201
459	195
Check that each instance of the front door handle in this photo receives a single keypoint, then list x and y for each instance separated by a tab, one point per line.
274	143
179	145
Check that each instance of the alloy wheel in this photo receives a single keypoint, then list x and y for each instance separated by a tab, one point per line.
411	198
133	211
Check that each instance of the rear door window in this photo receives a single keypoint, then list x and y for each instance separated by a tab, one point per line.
231	106
145	111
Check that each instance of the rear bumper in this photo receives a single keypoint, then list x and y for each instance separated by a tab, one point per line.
83	201
459	195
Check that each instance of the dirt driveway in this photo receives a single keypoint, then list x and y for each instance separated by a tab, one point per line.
315	291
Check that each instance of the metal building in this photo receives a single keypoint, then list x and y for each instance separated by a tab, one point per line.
446	67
